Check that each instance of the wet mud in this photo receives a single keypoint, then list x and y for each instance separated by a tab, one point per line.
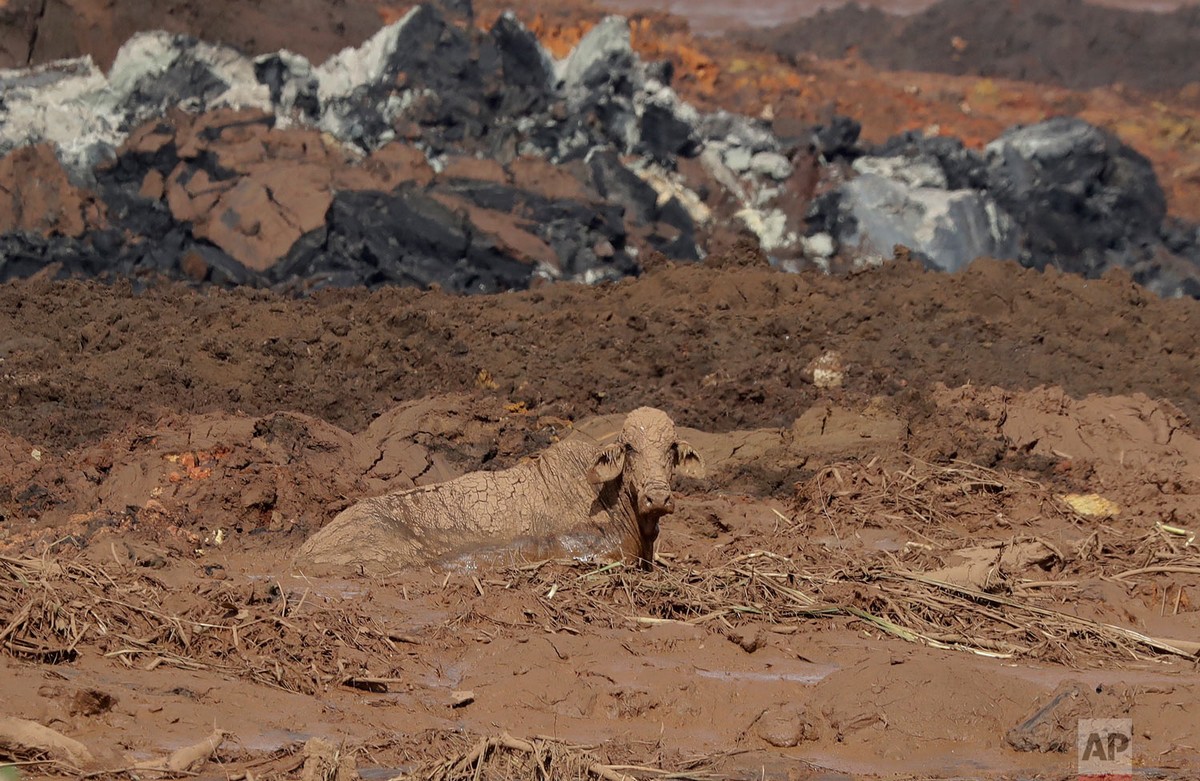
936	507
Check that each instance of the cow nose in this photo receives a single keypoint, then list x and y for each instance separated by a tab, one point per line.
659	499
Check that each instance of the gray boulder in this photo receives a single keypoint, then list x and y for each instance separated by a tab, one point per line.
1084	200
947	228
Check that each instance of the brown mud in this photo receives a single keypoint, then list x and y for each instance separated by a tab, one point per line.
715	348
1071	43
935	505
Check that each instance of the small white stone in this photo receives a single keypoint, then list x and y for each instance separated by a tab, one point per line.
818	246
828	370
738	159
771	164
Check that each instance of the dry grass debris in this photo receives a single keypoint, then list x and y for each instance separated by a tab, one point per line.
1015	610
254	631
262	633
506	758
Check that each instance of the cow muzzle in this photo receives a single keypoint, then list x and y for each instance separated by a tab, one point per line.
656	501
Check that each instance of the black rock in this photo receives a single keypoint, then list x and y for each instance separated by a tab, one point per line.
571	228
402	237
683	246
523	62
838	139
1084	200
826	215
222	269
619	185
665	136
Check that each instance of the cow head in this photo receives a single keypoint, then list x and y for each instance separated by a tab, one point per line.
644	458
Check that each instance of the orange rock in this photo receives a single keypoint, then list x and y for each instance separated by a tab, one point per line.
256	229
191	194
37	196
470	167
153	186
148	138
196	133
538	175
385	169
300	191
508	234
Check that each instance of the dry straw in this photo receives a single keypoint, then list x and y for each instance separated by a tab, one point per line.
258	633
784	578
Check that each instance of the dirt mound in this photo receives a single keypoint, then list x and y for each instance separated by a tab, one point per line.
717	349
1116	442
1068	42
36	33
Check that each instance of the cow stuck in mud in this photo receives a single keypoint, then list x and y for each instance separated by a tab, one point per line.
576	496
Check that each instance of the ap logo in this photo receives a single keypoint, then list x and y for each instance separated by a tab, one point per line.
1105	750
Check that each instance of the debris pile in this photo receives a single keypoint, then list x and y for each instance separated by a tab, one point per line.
434	153
438	153
1059	193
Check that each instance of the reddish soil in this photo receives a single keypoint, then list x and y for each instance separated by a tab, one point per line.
716	17
882	579
879	579
717	349
1067	42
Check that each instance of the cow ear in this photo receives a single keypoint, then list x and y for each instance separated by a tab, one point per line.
609	463
687	460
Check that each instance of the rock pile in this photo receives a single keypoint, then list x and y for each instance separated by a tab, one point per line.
437	153
1059	193
434	153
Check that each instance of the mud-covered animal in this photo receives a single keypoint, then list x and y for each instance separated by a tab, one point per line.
578	495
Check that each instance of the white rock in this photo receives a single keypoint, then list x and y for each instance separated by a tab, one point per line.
818	246
738	159
950	227
770	227
301	82
915	172
713	163
828	370
67	103
771	164
605	45
668	185
353	66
